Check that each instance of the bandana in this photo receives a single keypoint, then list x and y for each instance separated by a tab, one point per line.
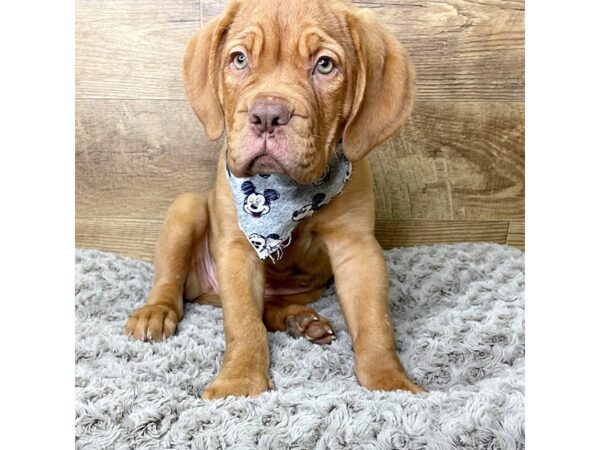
270	206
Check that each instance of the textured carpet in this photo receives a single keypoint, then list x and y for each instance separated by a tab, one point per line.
458	312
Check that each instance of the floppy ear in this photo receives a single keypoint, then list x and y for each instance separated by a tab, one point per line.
201	64
385	86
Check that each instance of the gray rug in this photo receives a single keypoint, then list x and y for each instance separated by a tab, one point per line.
458	312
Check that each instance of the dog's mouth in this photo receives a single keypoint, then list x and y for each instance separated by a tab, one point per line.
253	155
264	164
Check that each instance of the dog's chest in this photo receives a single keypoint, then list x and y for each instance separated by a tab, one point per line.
305	261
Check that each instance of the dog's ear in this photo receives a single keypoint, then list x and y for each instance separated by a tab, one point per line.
385	86
201	65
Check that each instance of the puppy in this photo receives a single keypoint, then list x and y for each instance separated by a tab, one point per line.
286	82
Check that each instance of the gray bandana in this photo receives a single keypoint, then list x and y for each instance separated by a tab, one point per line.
269	206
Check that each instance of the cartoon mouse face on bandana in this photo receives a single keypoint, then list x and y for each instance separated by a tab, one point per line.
270	206
258	204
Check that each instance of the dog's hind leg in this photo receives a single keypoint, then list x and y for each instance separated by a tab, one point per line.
288	313
185	225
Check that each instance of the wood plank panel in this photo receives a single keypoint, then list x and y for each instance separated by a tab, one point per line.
132	48
453	161
462	49
394	233
516	234
134	157
138	237
131	237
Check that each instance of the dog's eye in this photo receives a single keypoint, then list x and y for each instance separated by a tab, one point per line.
240	62
325	65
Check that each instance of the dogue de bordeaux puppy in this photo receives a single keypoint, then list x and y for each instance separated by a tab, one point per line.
286	82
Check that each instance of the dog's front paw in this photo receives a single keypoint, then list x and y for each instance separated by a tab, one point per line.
311	326
388	380
152	322
238	386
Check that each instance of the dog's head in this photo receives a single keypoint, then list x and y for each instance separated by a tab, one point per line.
286	80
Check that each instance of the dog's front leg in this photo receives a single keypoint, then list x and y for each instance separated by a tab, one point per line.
244	371
362	287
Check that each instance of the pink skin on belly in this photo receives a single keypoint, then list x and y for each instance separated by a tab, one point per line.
206	272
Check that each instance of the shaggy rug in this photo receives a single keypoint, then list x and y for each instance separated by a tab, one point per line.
458	312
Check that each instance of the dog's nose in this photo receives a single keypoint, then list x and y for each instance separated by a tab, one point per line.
266	117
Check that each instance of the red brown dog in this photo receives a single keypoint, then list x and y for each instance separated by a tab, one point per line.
286	81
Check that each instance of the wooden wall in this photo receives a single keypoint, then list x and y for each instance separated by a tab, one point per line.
454	174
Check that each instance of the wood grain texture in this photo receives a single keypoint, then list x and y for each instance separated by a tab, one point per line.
132	48
131	237
135	156
462	49
516	234
137	237
452	161
394	233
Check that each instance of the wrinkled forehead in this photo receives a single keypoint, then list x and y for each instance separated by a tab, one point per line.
287	27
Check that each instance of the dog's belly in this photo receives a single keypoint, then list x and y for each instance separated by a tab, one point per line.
203	276
303	268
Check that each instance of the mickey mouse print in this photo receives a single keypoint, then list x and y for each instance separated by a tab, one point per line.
258	204
270	206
